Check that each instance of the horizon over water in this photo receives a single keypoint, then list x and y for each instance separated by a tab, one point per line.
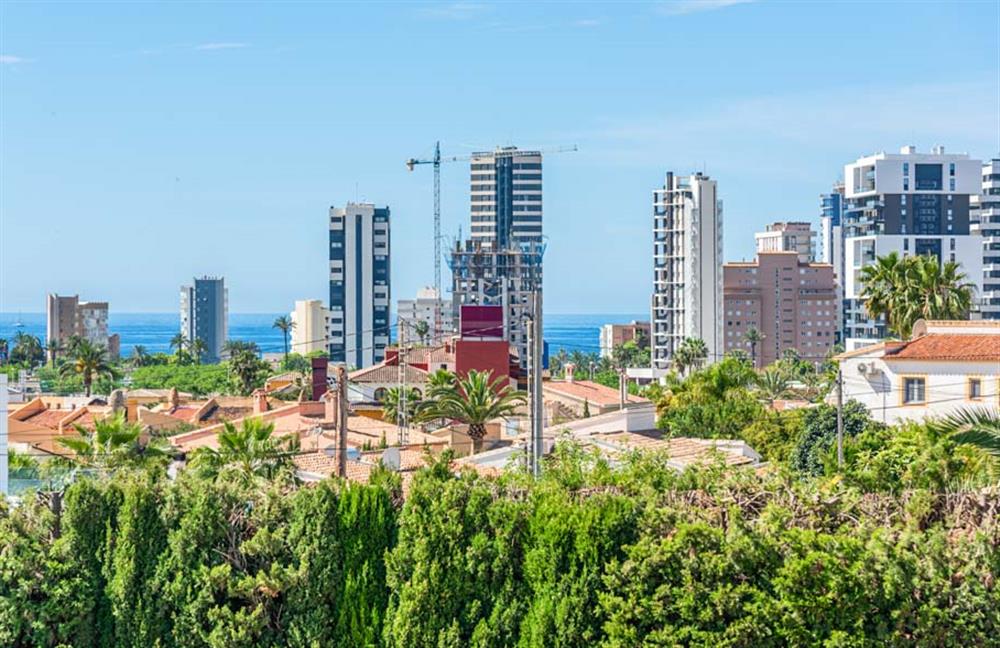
573	332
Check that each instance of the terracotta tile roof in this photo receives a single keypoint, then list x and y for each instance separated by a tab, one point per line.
182	412
383	373
47	418
590	391
682	451
943	346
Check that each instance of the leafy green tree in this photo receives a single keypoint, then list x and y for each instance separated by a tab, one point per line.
248	371
115	443
200	380
89	361
4	350
249	452
56	348
819	434
27	350
296	362
474	401
285	325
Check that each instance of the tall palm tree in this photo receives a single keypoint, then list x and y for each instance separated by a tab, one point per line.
474	401
198	349
4	350
880	280
89	361
979	427
249	452
179	343
56	347
693	352
753	336
422	328
27	349
114	443
139	356
73	343
285	325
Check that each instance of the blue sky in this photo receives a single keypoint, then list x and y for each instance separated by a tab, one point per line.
141	144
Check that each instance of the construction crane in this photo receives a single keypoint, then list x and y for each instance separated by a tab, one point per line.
436	162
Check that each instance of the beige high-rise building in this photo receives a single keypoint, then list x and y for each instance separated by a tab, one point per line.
793	305
311	330
67	316
788	237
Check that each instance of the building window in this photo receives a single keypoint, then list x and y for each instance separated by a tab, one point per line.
914	391
975	391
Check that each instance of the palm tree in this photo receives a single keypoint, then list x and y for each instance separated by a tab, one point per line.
27	349
392	401
139	356
691	353
114	443
250	452
934	291
4	350
285	325
197	348
73	343
179	343
979	427
474	401
89	362
771	384
55	348
421	328
907	289
246	367
753	337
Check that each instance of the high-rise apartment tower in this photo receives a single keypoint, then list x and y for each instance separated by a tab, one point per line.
205	315
687	267
359	284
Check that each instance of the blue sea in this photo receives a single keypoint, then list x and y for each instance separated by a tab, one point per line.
154	330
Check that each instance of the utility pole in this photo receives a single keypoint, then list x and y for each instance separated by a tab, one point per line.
536	345
342	422
840	418
402	422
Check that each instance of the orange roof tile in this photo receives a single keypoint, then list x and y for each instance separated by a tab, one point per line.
383	373
585	390
942	346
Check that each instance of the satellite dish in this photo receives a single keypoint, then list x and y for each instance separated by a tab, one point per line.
391	459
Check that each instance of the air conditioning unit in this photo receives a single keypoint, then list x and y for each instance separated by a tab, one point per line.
868	369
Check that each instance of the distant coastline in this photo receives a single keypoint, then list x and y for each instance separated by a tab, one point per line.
572	332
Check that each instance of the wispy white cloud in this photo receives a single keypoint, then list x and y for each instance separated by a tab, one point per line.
220	46
587	22
684	7
454	10
10	59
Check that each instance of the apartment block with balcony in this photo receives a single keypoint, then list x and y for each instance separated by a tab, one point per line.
687	267
791	303
986	222
67	316
909	203
205	315
788	237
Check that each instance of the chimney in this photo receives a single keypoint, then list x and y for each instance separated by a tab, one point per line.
330	405
173	398
259	401
570	368
908	150
938	150
132	410
319	374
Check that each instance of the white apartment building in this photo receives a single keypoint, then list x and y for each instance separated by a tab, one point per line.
788	237
429	308
359	284
946	366
67	316
311	327
909	203
985	219
687	267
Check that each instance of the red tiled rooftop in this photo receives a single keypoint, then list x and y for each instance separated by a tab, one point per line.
585	390
383	373
940	346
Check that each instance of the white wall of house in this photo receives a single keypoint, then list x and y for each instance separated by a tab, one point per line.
880	385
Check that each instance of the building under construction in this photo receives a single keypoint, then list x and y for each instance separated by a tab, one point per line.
505	278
